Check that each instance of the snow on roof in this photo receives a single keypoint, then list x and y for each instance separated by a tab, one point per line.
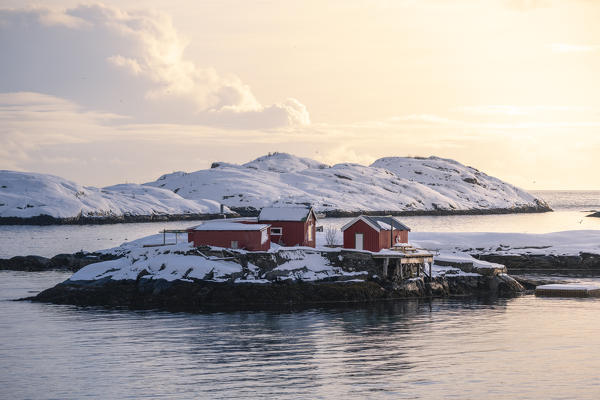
378	223
229	226
284	214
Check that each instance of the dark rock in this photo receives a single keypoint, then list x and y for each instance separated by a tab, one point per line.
200	295
584	263
25	263
69	262
100	220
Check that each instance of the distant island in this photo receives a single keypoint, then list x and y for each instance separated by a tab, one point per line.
391	185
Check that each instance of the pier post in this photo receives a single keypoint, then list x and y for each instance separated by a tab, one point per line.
384	272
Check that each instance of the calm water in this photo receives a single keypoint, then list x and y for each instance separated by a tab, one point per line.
571	209
526	348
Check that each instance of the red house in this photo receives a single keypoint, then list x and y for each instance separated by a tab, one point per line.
290	226
373	233
234	235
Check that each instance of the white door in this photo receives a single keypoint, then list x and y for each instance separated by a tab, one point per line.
358	241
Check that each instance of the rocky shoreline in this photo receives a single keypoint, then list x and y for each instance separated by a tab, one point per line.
540	208
253	212
204	295
64	262
582	264
360	283
107	219
187	278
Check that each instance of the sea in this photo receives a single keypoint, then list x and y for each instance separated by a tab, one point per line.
492	348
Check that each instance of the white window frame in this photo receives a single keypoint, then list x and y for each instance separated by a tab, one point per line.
276	231
234	244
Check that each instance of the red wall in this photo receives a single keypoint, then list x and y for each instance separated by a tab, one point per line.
372	240
370	236
399	236
294	233
248	240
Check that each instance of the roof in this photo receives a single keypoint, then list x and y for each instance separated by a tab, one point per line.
229	226
378	223
285	214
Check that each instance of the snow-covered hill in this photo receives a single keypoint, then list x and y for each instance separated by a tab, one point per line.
27	195
393	184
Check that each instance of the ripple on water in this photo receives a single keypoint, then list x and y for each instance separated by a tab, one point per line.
526	347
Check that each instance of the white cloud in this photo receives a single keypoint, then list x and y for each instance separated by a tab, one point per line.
49	134
131	62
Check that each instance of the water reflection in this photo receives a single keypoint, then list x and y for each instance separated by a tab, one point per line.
503	348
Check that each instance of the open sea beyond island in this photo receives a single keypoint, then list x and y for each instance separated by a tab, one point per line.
571	208
525	347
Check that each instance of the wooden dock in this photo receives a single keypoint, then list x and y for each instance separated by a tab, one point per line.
404	262
568	290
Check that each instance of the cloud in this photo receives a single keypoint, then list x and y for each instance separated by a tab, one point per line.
512	110
573	48
130	62
49	134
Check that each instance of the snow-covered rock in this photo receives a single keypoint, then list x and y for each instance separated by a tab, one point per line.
182	261
567	243
26	195
397	184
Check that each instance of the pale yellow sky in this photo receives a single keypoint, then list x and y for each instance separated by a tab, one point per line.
129	90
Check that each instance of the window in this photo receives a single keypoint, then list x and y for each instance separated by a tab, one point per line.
234	244
310	232
276	231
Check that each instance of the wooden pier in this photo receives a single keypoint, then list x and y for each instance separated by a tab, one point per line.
404	262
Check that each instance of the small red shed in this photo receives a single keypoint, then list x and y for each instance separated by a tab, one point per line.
234	235
373	233
290	226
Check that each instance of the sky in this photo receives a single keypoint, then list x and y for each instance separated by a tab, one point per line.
125	91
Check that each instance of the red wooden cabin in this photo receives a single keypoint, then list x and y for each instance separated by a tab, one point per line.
373	233
290	226
234	235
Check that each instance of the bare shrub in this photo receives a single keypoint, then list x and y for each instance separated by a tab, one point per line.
331	234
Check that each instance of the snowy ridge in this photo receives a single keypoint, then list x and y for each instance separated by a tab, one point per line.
26	195
396	184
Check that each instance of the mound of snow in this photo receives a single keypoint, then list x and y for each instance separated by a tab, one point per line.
165	262
27	195
389	184
183	262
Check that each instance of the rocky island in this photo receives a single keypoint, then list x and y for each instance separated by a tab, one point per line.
182	277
